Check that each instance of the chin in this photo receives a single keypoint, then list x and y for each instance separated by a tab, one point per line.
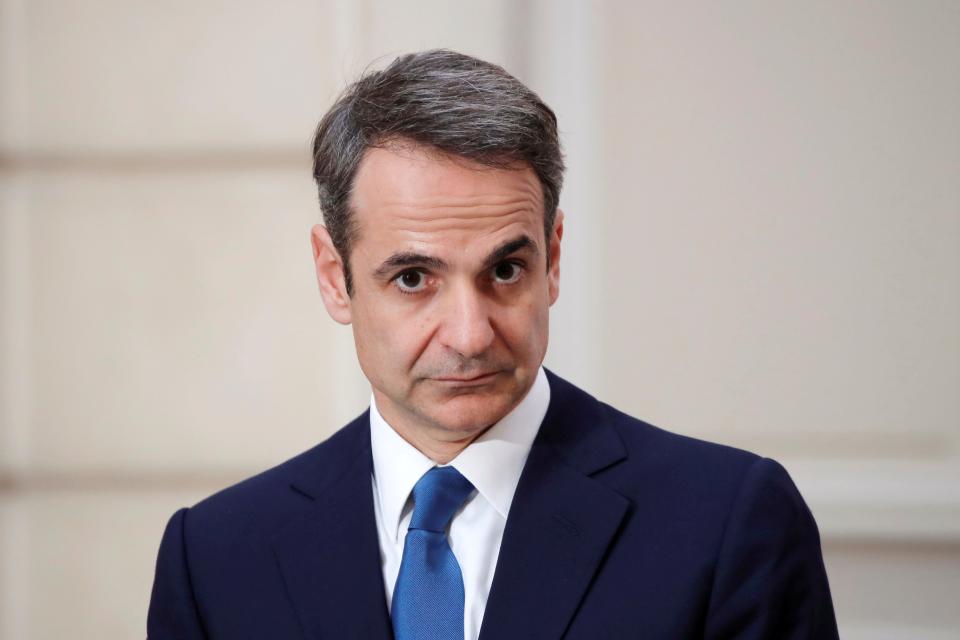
470	414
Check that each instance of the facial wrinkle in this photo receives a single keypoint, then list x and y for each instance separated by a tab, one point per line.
440	227
471	242
445	211
523	196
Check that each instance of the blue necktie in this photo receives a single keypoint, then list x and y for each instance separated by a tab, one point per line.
428	596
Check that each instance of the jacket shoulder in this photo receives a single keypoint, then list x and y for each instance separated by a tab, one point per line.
644	443
656	445
270	495
654	462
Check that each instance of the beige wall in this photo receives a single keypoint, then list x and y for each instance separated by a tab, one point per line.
762	248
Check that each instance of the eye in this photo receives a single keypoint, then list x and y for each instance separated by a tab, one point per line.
507	272
412	281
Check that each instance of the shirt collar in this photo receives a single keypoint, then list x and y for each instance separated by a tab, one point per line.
492	463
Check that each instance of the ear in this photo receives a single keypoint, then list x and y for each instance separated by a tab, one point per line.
553	269
330	277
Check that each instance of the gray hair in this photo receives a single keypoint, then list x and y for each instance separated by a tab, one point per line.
440	99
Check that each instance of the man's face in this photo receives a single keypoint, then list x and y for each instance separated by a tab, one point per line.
451	288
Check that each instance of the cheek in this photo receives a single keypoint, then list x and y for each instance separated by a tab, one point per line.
373	335
391	338
525	327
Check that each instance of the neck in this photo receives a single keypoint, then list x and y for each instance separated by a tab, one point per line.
440	451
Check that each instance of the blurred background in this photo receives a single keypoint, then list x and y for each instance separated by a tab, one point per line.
762	248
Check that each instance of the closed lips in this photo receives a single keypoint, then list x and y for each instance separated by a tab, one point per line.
470	379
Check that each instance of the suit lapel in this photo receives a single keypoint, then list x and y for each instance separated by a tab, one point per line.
561	521
330	557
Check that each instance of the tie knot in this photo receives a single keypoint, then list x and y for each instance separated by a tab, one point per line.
436	496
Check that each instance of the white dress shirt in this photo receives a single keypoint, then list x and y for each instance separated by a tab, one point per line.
492	463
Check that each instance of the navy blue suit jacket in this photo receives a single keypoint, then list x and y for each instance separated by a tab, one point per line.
617	530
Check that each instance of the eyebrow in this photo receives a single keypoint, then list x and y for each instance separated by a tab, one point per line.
509	247
414	259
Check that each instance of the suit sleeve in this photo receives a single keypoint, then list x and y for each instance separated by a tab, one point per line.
770	582
173	612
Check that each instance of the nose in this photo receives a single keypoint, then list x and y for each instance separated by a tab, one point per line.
466	326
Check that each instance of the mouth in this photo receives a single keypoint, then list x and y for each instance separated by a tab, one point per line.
482	378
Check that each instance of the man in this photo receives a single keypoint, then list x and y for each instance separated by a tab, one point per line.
480	496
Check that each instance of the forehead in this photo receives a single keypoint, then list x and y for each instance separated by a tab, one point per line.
421	197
